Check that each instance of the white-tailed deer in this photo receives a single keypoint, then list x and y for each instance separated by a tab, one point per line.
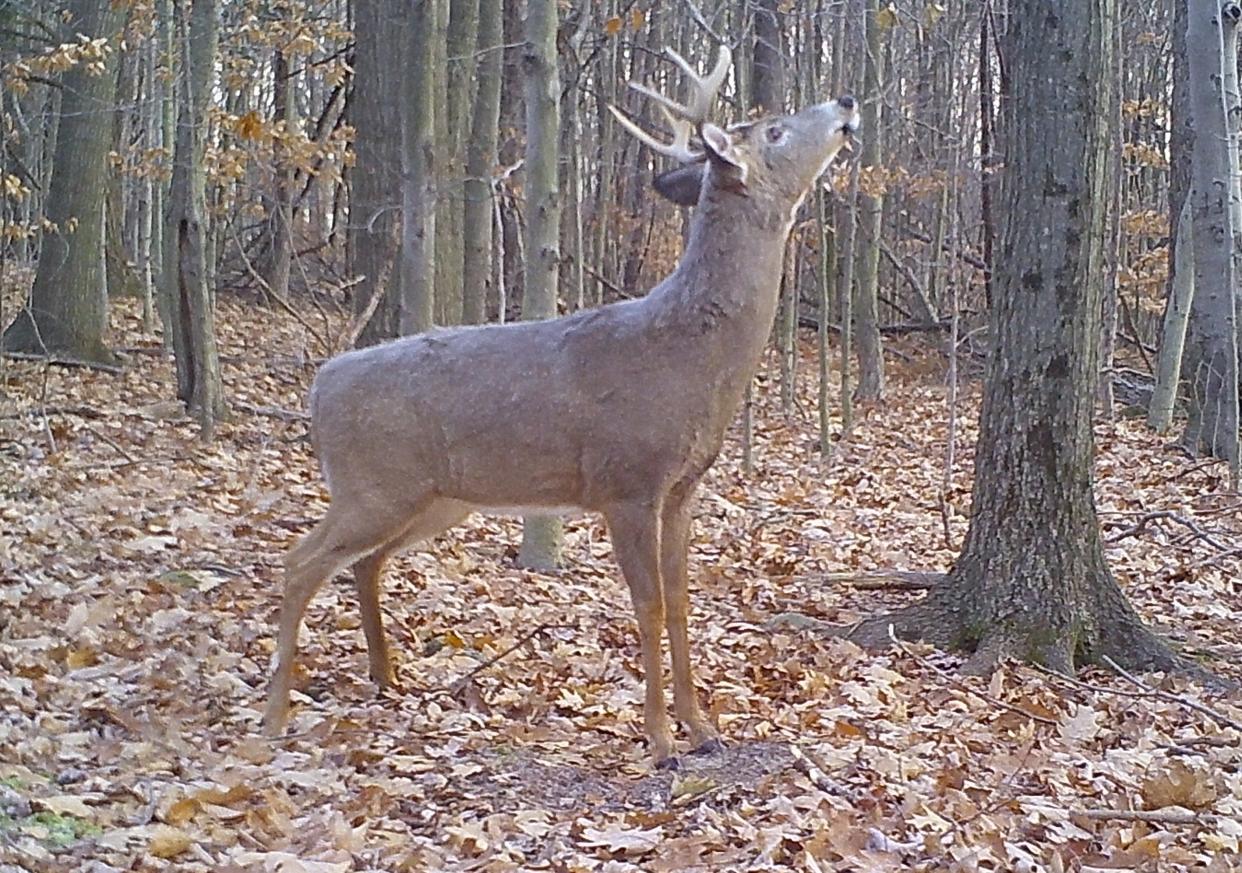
618	410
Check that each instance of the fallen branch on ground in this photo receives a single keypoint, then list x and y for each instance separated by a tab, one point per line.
902	580
65	362
1166	815
958	683
1218	717
273	412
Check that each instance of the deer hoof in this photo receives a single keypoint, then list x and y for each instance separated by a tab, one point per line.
709	747
672	763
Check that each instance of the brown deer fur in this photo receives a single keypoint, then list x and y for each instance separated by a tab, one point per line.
618	410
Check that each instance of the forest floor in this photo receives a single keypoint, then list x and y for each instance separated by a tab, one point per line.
140	579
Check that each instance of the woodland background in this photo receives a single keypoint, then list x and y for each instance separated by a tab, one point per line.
216	196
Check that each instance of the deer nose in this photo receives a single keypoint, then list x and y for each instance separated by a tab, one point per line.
846	102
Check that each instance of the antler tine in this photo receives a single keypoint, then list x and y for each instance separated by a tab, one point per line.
704	87
679	148
664	102
682	119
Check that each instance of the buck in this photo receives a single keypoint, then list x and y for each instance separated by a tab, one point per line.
618	410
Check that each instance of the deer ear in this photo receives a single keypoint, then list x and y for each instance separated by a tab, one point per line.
723	152
682	186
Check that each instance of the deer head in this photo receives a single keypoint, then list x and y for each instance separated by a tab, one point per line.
774	160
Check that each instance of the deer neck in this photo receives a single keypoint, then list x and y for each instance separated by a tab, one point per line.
727	285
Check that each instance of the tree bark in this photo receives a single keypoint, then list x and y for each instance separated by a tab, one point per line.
1213	360
480	164
1032	582
67	314
1173	332
375	111
122	275
769	58
418	184
463	25
279	259
185	272
541	535
871	213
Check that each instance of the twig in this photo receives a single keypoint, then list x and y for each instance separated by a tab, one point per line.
594	274
360	322
958	683
271	294
1218	717
107	439
457	684
47	425
491	662
1150	517
697	15
1167	815
813	771
272	412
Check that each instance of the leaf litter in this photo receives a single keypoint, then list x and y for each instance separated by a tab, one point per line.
141	579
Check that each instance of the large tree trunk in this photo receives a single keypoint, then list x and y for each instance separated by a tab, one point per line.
541	535
1032	581
68	310
1212	360
375	114
870	217
480	162
418	183
185	272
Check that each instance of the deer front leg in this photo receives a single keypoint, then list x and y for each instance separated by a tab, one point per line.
674	545
635	532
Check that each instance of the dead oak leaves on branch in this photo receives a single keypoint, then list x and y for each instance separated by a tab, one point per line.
141	579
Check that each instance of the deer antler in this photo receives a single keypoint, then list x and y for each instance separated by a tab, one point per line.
681	118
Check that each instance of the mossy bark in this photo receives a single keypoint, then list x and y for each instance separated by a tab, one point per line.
68	309
1032	582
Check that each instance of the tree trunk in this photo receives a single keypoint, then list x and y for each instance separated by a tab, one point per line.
871	213
375	112
769	58
1173	333
122	275
185	271
541	535
67	314
463	25
480	164
418	184
1213	424
279	259
166	18
1032	582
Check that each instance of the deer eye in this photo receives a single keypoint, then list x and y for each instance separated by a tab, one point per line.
776	134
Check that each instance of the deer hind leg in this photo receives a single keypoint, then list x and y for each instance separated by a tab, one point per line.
340	539
437	518
367	575
635	532
674	544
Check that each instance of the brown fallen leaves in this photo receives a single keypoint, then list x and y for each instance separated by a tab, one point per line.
140	582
